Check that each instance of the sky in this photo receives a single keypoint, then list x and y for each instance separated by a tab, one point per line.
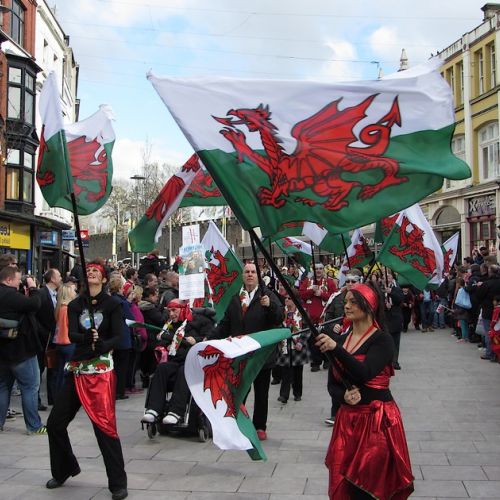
116	42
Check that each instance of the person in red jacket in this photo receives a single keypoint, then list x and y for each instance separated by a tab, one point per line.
315	293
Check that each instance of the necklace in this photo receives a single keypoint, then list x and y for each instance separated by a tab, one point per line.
353	348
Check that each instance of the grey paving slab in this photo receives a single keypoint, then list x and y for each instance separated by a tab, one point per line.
453	430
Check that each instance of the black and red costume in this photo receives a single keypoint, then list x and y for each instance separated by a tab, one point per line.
368	446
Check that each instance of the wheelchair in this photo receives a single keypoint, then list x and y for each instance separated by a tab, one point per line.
193	422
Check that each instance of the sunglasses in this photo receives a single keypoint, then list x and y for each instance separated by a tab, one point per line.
351	281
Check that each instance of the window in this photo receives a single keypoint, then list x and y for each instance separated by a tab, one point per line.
19	176
450	77
461	98
493	66
482	233
21	95
480	70
458	149
17	22
488	151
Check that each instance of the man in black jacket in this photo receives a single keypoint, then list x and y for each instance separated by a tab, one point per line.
250	311
47	325
18	356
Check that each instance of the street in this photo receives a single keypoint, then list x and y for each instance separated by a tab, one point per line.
449	397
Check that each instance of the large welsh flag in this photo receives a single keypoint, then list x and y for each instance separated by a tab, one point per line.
224	270
190	186
74	157
341	155
412	250
219	374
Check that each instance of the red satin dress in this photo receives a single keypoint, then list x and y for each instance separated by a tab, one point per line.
368	448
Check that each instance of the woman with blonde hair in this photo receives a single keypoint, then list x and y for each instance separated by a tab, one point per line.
64	347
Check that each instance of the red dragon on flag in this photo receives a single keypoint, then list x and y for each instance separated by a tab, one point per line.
218	276
323	153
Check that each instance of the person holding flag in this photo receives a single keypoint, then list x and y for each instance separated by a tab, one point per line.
91	383
368	454
253	310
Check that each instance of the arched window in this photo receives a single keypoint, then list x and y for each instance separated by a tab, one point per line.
488	152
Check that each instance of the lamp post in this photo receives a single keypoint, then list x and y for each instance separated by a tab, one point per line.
137	177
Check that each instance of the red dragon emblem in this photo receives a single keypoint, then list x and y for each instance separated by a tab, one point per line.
387	223
287	243
218	275
447	259
203	186
222	379
362	253
322	155
412	249
89	163
171	191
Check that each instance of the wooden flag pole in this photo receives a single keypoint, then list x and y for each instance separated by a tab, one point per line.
315	281
257	267
345	250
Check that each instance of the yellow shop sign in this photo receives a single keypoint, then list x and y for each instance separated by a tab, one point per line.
13	235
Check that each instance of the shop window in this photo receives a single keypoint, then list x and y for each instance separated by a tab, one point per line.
489	152
482	233
21	95
17	22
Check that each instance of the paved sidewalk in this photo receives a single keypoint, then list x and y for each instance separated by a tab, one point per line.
450	401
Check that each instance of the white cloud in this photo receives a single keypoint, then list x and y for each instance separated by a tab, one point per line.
342	69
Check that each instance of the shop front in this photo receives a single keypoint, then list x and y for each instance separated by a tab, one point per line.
481	217
15	238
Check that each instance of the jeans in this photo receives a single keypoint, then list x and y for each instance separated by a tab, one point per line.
426	313
438	320
27	374
486	338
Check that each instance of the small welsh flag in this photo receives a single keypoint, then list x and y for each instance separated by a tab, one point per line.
298	249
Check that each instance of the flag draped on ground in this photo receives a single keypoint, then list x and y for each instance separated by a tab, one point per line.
341	155
412	250
450	248
74	157
328	242
298	249
358	255
190	186
224	271
219	374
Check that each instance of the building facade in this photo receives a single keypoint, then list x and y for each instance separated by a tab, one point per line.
26	230
472	206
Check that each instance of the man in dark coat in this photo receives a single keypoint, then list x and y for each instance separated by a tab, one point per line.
150	264
250	311
18	356
47	326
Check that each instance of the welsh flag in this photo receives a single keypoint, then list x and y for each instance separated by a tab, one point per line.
412	250
328	242
341	155
359	254
219	374
74	157
190	186
383	227
450	249
298	249
224	271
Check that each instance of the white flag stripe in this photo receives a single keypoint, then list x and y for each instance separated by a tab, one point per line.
314	232
428	105
50	107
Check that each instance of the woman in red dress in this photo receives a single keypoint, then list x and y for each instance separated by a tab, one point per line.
368	456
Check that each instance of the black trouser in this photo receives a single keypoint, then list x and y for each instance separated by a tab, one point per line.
261	395
120	360
276	373
63	462
50	378
330	385
406	318
316	356
396	336
291	375
168	376
133	363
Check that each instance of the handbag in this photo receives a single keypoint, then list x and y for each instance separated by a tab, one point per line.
463	299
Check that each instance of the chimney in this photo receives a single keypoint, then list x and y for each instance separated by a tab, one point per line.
489	10
403	61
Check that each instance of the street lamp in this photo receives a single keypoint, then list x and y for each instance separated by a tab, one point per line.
137	177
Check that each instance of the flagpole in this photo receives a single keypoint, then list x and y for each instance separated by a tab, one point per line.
315	281
291	293
257	267
345	250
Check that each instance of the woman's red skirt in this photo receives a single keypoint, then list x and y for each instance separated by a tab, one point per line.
368	449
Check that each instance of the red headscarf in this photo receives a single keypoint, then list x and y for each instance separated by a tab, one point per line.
370	296
185	309
101	269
